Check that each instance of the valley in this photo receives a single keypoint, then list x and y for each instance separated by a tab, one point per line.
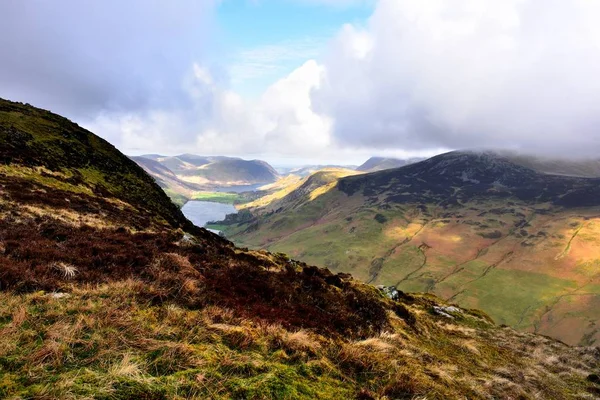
480	231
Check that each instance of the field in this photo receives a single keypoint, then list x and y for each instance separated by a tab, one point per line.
217	197
533	268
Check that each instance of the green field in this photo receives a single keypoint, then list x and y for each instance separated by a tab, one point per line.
217	197
517	277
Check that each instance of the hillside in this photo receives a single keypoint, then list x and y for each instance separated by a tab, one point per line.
218	171
473	228
293	191
107	292
374	164
179	191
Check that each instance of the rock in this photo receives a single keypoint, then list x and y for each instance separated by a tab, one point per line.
59	295
445	311
390	291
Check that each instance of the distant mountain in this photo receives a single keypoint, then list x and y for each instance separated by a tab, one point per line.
463	176
231	172
154	157
293	190
475	228
218	171
307	170
178	190
380	163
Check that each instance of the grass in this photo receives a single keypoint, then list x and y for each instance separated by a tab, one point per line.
98	301
108	342
523	270
217	197
36	138
216	227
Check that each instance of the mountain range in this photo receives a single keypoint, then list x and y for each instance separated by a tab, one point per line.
188	176
476	228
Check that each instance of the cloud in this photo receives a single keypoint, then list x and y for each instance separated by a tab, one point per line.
135	73
418	78
468	73
81	58
220	121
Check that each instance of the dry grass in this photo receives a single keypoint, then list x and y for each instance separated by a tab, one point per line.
106	341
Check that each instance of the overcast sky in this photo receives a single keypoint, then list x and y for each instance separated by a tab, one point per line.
297	81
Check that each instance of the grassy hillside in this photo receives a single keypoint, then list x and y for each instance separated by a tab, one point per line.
477	230
102	297
293	190
39	148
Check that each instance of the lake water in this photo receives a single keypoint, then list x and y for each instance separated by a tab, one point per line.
201	212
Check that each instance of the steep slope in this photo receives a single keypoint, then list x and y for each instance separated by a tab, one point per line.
38	147
103	297
374	164
298	191
179	191
474	228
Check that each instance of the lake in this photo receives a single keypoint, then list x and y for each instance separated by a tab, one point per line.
201	212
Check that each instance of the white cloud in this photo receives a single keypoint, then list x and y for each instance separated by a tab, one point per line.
220	121
515	73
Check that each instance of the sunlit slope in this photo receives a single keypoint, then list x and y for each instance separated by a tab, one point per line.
477	230
292	190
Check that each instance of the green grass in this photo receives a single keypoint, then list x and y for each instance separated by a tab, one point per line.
176	198
217	197
506	294
343	236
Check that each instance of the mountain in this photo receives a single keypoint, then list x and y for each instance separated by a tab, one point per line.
232	172
106	291
307	170
219	171
474	228
293	190
154	157
179	191
380	163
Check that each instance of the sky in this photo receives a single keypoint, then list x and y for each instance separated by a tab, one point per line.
312	81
